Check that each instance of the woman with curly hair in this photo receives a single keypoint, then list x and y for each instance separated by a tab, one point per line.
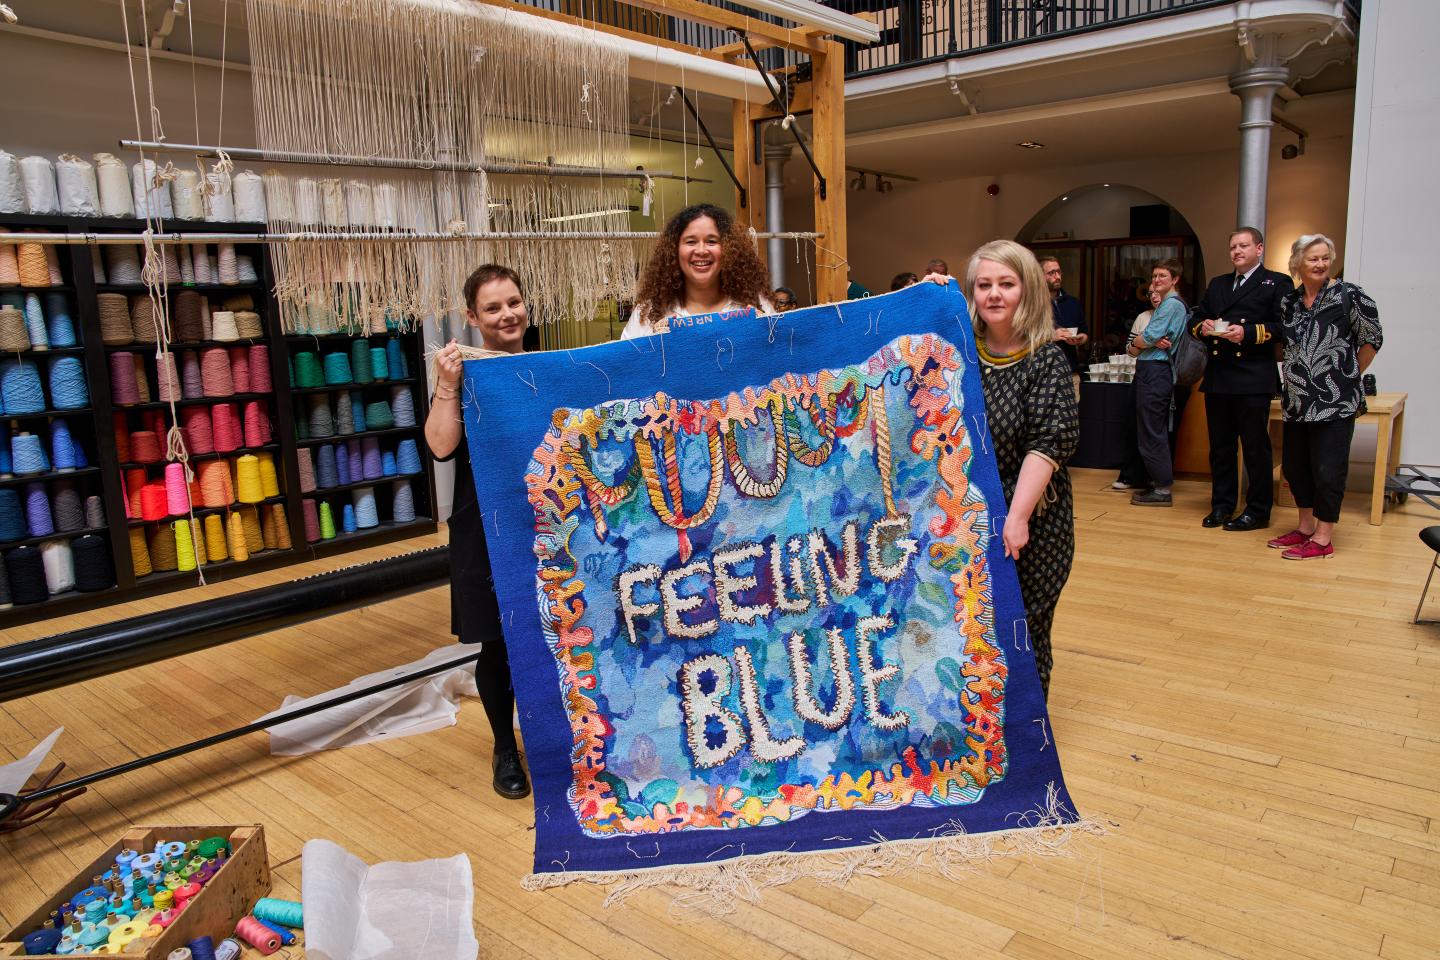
702	264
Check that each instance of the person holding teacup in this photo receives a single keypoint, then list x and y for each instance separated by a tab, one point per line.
1239	318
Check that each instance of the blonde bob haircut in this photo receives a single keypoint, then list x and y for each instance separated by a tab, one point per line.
1304	242
1034	318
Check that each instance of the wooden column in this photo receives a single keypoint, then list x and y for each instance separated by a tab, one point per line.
832	273
749	172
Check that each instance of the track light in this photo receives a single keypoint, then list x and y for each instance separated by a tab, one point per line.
882	185
858	183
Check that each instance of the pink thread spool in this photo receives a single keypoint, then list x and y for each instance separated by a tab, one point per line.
257	424
260	368
192	385
307	469
145	447
226	427
123	389
184	892
312	521
177	495
169	378
240	369
196	428
258	935
215	373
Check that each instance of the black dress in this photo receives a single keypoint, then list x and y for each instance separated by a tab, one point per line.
1030	407
474	608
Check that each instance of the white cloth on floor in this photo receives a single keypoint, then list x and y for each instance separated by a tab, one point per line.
14	775
419	706
389	911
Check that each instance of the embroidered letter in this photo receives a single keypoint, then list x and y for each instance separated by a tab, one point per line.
783	600
763	745
675	604
806	703
625	586
871	676
727	585
890	572
703	682
820	555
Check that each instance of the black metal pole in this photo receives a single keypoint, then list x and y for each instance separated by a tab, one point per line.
740	187
785	105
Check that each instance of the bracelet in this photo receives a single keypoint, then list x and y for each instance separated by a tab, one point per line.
446	396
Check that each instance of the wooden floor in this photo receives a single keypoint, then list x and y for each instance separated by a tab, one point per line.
1264	737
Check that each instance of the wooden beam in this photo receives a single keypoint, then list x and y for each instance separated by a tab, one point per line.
607	28
832	272
747	171
698	12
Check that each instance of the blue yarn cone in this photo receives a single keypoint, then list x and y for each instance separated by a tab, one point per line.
35	322
27	454
379	363
357	461
367	515
12	515
58	324
407	457
326	474
395	360
67	384
403	508
357	412
347	518
62	447
387	464
5	466
342	465
20	389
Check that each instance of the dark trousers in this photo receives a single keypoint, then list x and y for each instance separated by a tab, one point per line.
1244	417
1133	471
1154	389
1316	460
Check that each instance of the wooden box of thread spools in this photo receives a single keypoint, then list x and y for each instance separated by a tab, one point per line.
125	902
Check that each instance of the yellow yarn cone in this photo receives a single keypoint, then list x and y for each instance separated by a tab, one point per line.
238	550
248	488
139	553
267	530
197	537
250	524
282	526
215	544
184	546
162	549
269	481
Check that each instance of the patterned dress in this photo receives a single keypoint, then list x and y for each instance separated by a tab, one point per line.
1030	406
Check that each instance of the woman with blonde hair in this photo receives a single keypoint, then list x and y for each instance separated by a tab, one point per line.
1034	425
1332	332
702	263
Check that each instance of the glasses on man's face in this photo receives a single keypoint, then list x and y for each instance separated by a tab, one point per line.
784	304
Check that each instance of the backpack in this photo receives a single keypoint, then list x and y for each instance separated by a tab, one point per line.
1187	357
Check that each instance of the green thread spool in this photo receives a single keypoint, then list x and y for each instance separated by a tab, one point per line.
360	362
287	913
308	372
379	363
211	846
327	521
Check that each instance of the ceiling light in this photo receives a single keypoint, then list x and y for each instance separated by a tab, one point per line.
882	185
585	216
1064	198
1031	145
858	183
1104	184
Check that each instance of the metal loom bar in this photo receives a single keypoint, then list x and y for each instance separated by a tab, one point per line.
785	103
700	122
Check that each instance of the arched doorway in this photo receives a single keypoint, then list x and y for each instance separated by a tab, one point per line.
1106	237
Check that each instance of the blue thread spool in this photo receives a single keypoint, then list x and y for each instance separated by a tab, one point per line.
35	323
371	464
97	908
367	515
7	468
37	511
357	460
42	942
84	897
326	474
342	465
67	384
402	406
360	361
379	363
20	389
407	457
12	516
286	937
27	454
357	413
347	518
62	446
202	948
395	360
387	464
337	369
402	510
287	913
81	461
171	849
59	326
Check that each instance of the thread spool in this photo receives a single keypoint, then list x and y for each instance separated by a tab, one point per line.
268	533
163	558
342	465
42	942
200	262
378	415
327	521
135	481
170	263
259	363
357	412
27	454
142	382
180	953
187	265
216	377
228	271
140	553
215	487
249	488
269	478
344	413
62	447
216	548
79	192
371	467
39	522
59	565
310	514
407	457
145	447
32	268
20	390
202	948
154	502
122	264
26	569
240	369
94	513
68	390
12	184
347	518
115	329
14	336
38	176
192	381
187	197
177	490
239	551
145	320
187	313
35	323
249	193
245	269
379	363
66	505
223	327
305	461
387	463
168	377
308	372
258	935
322	423
226	427
151	199
367	514
116	199
59	327
402	508
257	424
250	526
93	569
248	325
337	369
287	913
360	362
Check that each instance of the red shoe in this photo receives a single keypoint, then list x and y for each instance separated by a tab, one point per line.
1309	550
1292	539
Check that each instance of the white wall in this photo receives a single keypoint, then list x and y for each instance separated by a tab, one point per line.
1392	204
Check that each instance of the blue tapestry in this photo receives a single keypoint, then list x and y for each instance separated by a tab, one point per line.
754	591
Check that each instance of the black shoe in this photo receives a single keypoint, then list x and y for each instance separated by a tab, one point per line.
1247	521
1215	518
510	780
1152	499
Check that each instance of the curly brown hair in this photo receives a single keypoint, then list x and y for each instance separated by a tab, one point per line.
742	275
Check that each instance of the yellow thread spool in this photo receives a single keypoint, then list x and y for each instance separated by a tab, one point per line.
269	480
238	550
197	537
162	549
164	899
250	523
248	487
184	546
139	552
282	526
267	530
215	545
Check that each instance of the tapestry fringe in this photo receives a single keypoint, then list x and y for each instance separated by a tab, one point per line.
716	889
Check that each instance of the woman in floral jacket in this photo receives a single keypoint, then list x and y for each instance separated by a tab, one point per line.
1332	332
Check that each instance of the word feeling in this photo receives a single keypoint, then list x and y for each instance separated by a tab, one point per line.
804	574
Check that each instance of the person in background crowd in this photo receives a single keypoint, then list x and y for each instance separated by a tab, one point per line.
903	280
1132	471
1068	320
702	264
1239	317
1155	384
938	267
784	299
855	291
1332	333
1033	422
495	305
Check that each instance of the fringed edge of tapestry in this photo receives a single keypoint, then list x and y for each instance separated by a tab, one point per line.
717	889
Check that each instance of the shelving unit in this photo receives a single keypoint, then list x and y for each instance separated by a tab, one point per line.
94	427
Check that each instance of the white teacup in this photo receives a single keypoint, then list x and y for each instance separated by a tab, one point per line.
1221	326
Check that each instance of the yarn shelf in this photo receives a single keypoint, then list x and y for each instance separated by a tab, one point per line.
331	388
67	535
47	414
198	458
45	352
319	493
178	345
197	287
194	402
282	499
51	475
52	288
387	432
